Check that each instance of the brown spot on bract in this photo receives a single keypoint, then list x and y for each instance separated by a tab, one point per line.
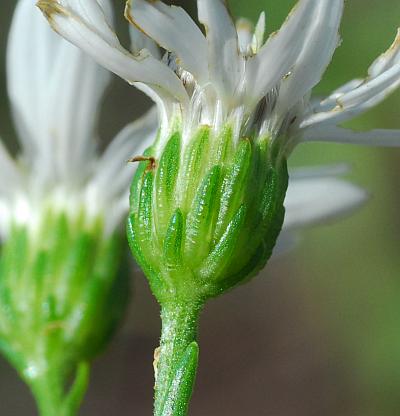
150	159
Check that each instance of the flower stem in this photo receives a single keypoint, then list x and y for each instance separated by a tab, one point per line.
176	359
51	397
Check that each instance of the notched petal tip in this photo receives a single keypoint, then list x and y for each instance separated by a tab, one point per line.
244	24
127	11
396	43
50	8
395	46
128	14
386	60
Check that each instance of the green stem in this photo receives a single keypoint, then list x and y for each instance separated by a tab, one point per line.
177	357
50	393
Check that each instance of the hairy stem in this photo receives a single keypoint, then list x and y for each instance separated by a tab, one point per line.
176	358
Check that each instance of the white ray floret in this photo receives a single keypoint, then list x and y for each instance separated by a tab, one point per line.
231	76
55	91
223	76
317	195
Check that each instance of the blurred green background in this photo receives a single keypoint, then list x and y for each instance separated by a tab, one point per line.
318	333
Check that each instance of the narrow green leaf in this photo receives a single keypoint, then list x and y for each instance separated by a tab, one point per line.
49	309
15	255
260	167
134	242
194	166
74	269
40	280
213	267
165	180
181	388
137	181
145	215
223	147
234	186
142	259
269	196
78	389
202	217
168	167
253	263
8	314
173	241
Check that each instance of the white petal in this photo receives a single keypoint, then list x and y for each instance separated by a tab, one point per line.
9	172
340	114
245	31
259	34
316	200
140	41
320	171
55	90
164	104
97	13
225	64
102	44
109	186
319	46
113	173
330	102
28	70
327	133
358	96
371	88
388	59
277	57
286	242
174	30
72	111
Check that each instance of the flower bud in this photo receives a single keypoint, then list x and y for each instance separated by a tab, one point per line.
60	301
205	214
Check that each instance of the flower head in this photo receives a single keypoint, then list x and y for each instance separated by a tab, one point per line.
232	107
61	202
209	197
